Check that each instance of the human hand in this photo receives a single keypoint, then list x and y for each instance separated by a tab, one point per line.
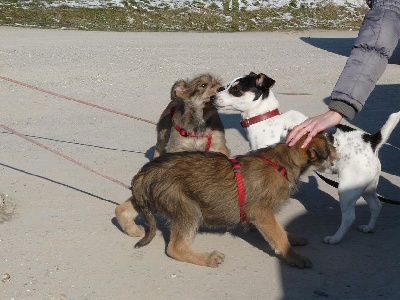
312	126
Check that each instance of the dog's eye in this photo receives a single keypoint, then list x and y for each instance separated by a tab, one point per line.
204	85
235	91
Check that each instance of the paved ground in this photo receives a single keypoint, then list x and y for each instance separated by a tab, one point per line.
58	238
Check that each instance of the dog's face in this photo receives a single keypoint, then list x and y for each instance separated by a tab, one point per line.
199	89
243	92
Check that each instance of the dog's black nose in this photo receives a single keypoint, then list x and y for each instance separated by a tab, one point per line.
220	89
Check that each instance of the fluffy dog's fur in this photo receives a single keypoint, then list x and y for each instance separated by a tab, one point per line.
193	112
193	189
358	166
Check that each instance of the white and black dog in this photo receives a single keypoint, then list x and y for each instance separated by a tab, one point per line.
357	151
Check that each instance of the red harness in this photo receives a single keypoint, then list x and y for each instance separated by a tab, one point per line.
185	133
250	121
237	170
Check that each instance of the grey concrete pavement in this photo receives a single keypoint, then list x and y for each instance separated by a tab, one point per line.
60	241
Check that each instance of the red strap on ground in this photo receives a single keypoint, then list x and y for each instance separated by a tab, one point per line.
75	100
64	156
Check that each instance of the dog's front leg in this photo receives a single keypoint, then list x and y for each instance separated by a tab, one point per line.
277	237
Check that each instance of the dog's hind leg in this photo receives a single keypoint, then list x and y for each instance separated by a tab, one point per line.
374	205
180	244
277	237
348	197
126	214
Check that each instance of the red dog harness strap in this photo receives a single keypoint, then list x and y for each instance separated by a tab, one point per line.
280	169
184	133
239	183
208	145
250	121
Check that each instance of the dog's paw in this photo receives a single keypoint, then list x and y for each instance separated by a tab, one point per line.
299	261
331	240
215	259
297	239
365	228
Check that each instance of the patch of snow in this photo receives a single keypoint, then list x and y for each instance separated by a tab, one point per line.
173	4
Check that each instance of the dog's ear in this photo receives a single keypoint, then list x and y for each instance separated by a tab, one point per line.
264	81
180	90
318	148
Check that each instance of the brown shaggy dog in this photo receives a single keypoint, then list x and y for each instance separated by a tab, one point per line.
193	189
191	110
192	113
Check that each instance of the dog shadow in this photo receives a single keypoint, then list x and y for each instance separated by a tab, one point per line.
390	158
232	121
350	269
150	153
343	46
162	226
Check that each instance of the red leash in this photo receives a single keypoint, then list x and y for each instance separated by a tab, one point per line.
64	156
74	99
237	170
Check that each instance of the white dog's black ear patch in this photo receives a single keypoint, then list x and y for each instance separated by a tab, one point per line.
264	81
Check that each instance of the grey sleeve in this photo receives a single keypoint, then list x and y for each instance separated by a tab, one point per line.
376	41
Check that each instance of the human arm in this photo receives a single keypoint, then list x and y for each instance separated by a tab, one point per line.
376	41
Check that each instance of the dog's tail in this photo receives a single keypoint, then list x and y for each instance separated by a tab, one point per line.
381	137
150	231
142	203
